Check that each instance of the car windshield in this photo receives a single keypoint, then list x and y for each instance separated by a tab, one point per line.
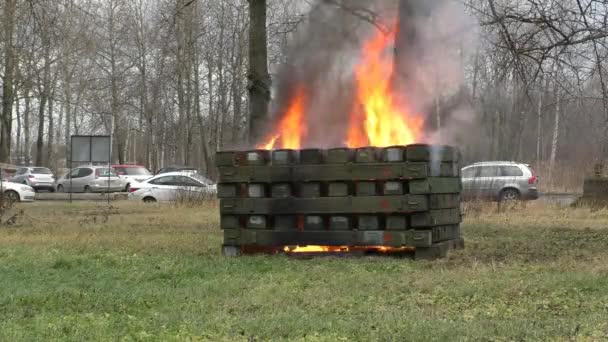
136	171
201	179
105	173
41	171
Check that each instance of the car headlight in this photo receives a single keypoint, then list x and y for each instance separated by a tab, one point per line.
26	188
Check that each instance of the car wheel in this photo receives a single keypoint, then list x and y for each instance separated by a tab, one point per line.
59	188
11	196
87	189
149	199
509	195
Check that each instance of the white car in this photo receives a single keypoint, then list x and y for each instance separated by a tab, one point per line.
15	192
171	187
131	174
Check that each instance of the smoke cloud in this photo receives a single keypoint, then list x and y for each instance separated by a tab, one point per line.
433	41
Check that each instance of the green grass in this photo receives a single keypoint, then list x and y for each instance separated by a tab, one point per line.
83	272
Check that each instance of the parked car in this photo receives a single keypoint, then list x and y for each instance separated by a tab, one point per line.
90	179
130	174
15	192
500	181
39	178
177	168
173	186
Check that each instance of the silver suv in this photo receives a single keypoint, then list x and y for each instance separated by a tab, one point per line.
90	179
500	181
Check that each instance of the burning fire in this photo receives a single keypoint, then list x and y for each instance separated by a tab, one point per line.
380	115
292	127
345	249
386	120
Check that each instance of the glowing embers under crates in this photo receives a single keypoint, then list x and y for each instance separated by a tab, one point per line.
400	198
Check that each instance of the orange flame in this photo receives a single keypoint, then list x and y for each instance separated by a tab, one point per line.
345	249
386	121
380	116
292	127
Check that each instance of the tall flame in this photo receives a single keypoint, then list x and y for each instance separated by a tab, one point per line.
380	116
386	120
292	126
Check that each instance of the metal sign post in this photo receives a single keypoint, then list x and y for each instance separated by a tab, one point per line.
91	149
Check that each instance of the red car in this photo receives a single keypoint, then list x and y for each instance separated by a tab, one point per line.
130	173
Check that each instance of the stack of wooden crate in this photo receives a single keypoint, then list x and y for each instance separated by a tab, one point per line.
400	196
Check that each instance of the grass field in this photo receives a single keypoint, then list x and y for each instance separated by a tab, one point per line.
86	272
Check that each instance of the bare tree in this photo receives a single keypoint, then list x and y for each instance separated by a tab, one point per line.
6	120
259	79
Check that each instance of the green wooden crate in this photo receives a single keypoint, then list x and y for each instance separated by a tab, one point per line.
284	157
444	201
340	155
311	156
231	236
257	222
396	222
257	157
368	222
323	172
325	205
366	189
281	190
393	154
227	190
285	222
314	222
440	217
312	189
337	189
229	222
366	155
256	190
340	222
435	185
393	188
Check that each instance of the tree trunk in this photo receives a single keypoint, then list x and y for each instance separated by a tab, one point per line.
555	139
6	120
259	79
237	99
199	115
26	128
59	125
44	94
49	150
539	122
18	146
68	112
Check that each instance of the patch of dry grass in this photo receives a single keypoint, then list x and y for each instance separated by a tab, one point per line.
119	225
